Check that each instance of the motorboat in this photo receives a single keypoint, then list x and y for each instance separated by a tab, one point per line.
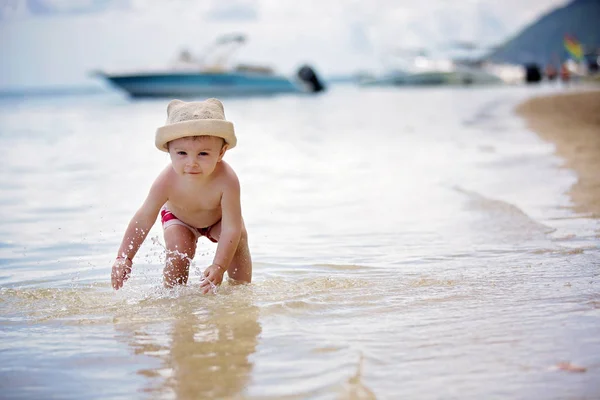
210	75
420	69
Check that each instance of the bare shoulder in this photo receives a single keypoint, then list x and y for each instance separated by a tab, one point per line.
159	193
164	180
228	178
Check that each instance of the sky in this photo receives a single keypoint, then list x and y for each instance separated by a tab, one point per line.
49	43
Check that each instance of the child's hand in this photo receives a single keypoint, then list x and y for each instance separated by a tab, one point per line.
120	272
213	276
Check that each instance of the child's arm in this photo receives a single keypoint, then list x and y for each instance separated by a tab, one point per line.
138	229
231	230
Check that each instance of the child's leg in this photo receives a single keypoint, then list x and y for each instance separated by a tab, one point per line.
181	248
240	269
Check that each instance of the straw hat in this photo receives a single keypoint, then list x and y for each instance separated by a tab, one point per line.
195	118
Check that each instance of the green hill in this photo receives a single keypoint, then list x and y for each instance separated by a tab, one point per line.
543	41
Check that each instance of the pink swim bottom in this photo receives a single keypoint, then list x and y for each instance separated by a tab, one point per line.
168	218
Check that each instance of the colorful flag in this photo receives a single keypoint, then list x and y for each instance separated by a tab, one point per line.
573	47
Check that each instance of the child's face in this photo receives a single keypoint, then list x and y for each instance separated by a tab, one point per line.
196	156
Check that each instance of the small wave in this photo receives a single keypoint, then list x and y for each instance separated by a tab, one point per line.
425	282
563	251
504	216
100	304
487	115
342	267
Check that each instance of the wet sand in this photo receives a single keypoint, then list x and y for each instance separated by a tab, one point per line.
572	122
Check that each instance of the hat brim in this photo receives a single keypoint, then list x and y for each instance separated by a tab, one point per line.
197	127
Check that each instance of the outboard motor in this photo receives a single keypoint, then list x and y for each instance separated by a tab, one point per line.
309	77
593	62
533	74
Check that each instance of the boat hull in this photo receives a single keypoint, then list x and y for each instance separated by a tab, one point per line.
433	78
201	84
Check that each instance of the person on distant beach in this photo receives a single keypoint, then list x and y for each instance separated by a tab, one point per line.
550	72
197	194
565	74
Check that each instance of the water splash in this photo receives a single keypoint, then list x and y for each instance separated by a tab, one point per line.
192	264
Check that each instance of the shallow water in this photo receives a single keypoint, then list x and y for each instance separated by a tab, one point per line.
407	243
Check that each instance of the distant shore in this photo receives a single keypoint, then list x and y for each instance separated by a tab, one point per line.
572	122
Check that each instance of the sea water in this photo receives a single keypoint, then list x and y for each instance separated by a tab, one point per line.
407	243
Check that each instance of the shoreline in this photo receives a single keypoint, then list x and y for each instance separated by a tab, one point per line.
572	122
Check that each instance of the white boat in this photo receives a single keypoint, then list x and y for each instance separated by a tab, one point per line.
210	76
423	70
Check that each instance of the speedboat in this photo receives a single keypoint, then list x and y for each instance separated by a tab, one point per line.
210	76
438	72
423	70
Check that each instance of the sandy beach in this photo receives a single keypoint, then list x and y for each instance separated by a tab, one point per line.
572	122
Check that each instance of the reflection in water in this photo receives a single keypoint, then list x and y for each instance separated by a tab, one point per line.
355	388
204	347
